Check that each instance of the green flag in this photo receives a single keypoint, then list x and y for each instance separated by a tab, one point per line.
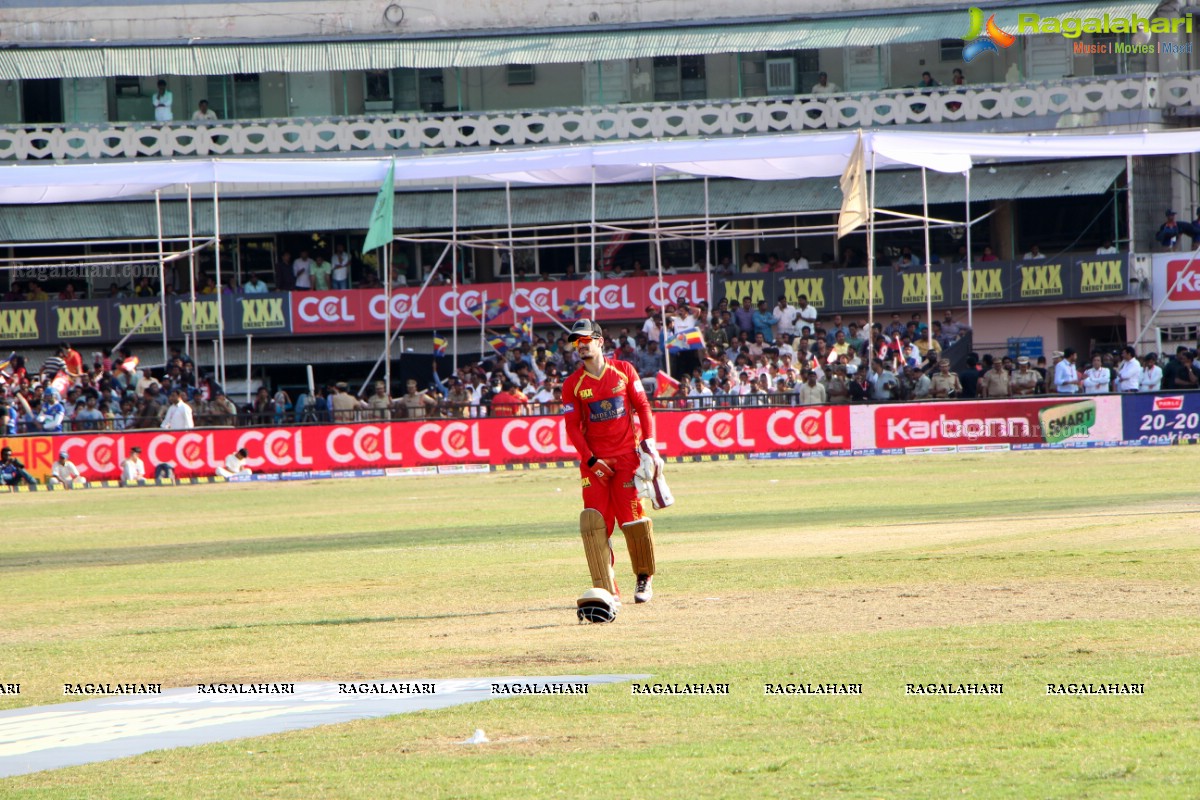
380	232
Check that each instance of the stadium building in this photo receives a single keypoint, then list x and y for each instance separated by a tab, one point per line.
79	81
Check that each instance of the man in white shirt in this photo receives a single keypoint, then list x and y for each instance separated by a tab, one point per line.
65	473
179	414
823	86
806	314
1107	249
162	103
302	271
797	262
1152	374
255	285
1066	376
1129	373
1034	254
235	465
203	113
133	469
785	317
341	268
1097	379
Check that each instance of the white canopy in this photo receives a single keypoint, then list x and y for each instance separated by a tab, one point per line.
776	157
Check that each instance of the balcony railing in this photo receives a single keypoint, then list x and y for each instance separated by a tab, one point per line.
1164	92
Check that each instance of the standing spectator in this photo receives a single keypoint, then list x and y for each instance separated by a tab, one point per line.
379	405
917	383
178	416
1066	376
1129	372
162	100
285	278
1098	378
417	405
89	418
945	384
785	317
343	404
650	361
1152	374
806	314
1168	233
994	382
1186	376
883	382
743	315
968	379
341	267
320	273
811	393
510	402
221	410
302	272
65	473
1024	381
764	323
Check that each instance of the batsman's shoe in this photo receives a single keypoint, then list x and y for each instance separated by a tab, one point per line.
597	605
645	589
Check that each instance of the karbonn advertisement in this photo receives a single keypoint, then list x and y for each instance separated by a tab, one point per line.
791	432
988	283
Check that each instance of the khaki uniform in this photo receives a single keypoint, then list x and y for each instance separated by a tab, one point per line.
417	404
344	405
380	406
945	385
1024	382
994	383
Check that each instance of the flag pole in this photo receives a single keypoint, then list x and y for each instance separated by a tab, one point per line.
928	264
658	258
454	266
387	319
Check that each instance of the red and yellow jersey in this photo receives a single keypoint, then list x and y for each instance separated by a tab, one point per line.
600	411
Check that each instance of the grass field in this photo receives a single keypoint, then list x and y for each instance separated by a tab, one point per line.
1014	568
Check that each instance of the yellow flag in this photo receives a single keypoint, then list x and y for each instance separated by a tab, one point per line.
854	191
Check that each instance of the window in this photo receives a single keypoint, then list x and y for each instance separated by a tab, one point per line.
951	50
679	78
127	86
520	74
781	76
1110	62
378	85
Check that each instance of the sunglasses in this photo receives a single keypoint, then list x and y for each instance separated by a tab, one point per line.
582	340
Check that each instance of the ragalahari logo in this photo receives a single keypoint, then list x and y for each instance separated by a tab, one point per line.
981	38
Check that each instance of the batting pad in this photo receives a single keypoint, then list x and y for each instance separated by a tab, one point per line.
595	546
639	540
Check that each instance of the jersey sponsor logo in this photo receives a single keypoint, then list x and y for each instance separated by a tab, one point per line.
585	394
606	410
620	387
568	408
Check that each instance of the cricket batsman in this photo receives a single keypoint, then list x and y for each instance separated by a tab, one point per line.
600	402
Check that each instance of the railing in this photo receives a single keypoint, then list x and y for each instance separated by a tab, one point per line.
735	117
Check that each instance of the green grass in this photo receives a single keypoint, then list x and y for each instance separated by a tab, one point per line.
1021	568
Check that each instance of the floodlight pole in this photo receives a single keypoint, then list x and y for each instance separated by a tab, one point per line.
928	264
220	366
871	259
195	348
454	266
512	253
970	257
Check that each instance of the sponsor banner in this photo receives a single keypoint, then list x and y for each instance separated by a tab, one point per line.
201	317
364	311
144	316
1161	418
80	321
754	430
1043	420
1176	281
988	283
255	314
473	445
24	324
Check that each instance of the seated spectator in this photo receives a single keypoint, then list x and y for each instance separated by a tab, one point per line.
1034	254
988	255
133	468
65	473
823	86
798	262
235	465
12	471
1107	249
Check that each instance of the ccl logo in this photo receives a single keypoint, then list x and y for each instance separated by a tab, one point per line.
325	309
403	306
809	426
